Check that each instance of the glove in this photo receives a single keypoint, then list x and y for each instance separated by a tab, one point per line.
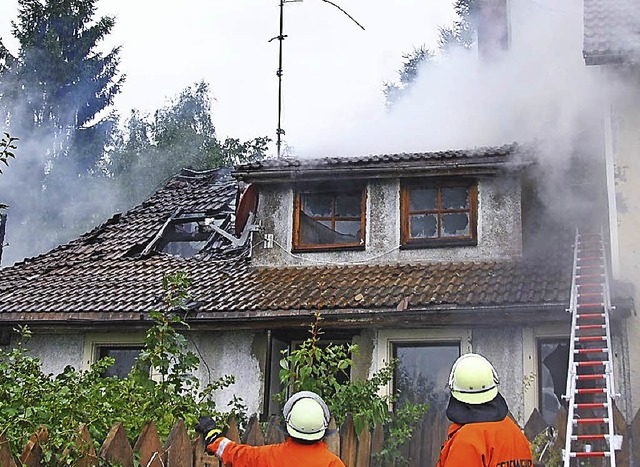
207	426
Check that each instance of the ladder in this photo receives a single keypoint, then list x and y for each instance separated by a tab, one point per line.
590	380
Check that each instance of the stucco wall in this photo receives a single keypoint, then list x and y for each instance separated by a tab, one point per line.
499	227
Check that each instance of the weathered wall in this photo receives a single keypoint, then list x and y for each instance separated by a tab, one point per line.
499	228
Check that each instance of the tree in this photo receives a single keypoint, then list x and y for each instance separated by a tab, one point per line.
462	34
58	82
150	149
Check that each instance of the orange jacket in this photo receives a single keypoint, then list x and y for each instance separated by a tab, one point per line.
486	444
287	454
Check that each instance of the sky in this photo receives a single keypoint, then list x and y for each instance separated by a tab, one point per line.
331	66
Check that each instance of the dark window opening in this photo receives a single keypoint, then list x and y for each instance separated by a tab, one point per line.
423	372
553	364
324	219
438	213
187	234
124	356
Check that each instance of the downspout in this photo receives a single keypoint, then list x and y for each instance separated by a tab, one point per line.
3	223
611	187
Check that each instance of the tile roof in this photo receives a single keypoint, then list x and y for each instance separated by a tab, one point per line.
103	276
611	31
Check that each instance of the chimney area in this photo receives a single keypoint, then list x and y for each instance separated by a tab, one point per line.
493	27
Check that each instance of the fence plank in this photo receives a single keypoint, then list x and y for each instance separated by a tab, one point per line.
85	446
232	429
6	458
535	425
332	440
149	447
348	442
178	449
200	457
32	453
274	434
620	428
416	444
363	458
253	434
635	437
377	440
116	448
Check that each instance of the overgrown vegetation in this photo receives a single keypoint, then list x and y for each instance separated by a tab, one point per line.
324	369
7	146
30	398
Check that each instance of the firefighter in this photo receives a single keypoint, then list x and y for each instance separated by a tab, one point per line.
481	433
306	416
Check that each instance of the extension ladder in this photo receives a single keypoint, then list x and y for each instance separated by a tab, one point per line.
590	380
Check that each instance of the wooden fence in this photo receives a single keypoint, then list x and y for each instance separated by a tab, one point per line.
356	450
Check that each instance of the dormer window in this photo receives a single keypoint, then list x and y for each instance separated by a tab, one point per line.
439	212
329	219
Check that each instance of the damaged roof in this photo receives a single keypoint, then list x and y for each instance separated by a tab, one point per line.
112	274
611	31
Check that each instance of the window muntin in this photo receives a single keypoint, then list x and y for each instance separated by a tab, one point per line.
441	212
553	364
329	219
423	370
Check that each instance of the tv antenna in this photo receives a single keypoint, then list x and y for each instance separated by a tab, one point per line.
281	37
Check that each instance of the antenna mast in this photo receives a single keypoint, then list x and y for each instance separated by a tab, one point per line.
281	37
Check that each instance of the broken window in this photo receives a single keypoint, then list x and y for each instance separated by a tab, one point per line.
553	364
423	371
329	219
441	212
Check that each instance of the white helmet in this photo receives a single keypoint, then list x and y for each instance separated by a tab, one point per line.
473	379
306	415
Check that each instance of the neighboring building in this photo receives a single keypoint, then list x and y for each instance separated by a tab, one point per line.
612	49
418	257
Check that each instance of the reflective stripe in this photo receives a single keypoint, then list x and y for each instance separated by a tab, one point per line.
221	446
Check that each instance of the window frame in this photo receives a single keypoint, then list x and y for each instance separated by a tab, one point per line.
539	342
94	342
407	241
297	246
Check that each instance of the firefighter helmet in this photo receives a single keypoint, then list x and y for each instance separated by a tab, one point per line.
306	415
473	379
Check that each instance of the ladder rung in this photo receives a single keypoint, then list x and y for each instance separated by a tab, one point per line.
590	377
591	363
590	338
584	421
590	454
590	390
591	326
589	315
590	405
594	350
590	305
587	437
591	294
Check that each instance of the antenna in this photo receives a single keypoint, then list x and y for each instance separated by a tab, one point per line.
281	37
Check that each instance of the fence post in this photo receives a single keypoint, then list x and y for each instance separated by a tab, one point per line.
32	454
363	458
6	458
85	445
116	448
348	442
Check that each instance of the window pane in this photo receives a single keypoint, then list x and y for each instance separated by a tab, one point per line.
423	199
184	249
350	230
424	226
554	363
423	371
455	225
125	358
455	197
317	205
348	205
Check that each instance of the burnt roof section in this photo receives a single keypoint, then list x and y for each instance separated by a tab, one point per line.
611	32
102	277
484	160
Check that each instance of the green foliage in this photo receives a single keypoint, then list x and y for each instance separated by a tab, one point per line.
544	449
7	146
30	398
324	369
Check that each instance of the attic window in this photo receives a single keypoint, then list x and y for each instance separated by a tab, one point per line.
329	219
185	235
439	213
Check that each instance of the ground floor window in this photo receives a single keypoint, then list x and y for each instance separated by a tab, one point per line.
423	370
123	348
124	356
